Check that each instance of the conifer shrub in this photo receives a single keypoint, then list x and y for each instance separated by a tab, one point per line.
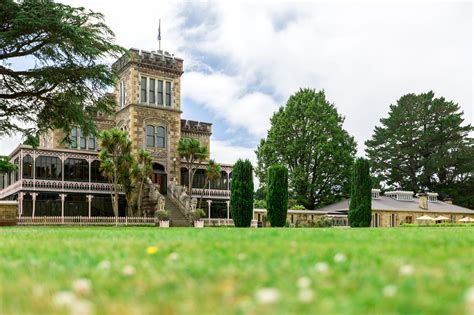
360	207
241	193
277	195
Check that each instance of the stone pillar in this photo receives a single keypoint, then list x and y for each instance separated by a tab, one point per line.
228	206
209	208
33	198
228	180
89	200
63	196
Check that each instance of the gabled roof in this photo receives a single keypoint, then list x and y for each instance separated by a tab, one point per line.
389	204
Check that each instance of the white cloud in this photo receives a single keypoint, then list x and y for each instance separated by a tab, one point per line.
227	153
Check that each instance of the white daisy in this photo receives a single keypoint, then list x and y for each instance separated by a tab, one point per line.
303	282
267	295
321	267
82	286
128	270
340	258
306	295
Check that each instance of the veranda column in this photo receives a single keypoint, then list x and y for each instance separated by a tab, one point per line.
228	180
20	204
228	205
89	199
209	208
33	198
63	196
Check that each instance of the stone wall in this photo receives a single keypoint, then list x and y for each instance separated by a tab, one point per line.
8	213
401	217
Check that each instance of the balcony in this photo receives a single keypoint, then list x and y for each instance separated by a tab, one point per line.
211	193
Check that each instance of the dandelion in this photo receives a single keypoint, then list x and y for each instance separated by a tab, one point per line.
306	295
128	270
63	298
340	258
406	270
390	290
104	265
303	282
151	250
173	256
81	286
321	267
267	295
469	298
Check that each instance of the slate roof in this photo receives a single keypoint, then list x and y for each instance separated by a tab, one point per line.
391	204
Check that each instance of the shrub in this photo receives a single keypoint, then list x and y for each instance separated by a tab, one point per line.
260	204
324	221
198	214
162	215
277	195
360	207
241	194
298	207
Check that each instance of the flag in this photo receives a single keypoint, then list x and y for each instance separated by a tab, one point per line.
159	30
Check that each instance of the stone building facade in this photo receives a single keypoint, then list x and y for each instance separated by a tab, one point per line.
148	95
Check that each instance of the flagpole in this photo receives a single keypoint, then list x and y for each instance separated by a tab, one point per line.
159	34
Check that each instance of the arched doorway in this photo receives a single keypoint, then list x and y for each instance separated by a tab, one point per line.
159	177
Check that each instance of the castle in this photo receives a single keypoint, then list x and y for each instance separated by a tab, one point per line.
58	179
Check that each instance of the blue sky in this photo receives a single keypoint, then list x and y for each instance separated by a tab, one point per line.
243	59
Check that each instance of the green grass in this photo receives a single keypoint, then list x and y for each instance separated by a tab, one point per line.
209	278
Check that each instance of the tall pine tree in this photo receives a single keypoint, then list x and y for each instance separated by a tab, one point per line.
424	144
241	193
360	207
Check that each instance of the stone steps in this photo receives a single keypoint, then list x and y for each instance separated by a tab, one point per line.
177	218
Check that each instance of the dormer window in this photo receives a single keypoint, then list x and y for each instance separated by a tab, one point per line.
400	195
375	193
432	197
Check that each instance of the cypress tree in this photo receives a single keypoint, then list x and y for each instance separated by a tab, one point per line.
277	195
241	194
360	207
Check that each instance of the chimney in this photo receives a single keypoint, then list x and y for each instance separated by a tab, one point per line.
423	201
449	201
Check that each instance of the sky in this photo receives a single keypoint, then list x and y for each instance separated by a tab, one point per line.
243	59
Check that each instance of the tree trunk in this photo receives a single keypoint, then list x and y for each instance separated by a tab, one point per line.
202	192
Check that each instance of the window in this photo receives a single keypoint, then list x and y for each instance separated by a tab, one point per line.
76	169
48	167
160	92
80	141
143	90
160	137
168	93
74	137
152	91
150	136
96	174
155	136
27	166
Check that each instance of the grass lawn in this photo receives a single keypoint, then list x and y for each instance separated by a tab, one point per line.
225	271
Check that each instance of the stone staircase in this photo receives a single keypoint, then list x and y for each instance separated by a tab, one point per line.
177	218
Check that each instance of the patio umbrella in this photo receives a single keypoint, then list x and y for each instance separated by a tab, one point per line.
466	219
441	218
425	218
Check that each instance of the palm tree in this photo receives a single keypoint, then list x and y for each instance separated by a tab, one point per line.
142	169
213	172
193	153
115	163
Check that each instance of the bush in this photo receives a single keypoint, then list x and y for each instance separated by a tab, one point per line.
197	214
277	195
298	207
324	221
260	204
360	207
241	194
162	215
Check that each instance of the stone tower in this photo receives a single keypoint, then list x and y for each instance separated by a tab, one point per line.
149	108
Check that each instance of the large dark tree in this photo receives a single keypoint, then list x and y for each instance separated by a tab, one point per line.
307	137
241	193
277	195
360	206
423	144
52	70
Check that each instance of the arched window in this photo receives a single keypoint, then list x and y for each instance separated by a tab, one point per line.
155	136
27	166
